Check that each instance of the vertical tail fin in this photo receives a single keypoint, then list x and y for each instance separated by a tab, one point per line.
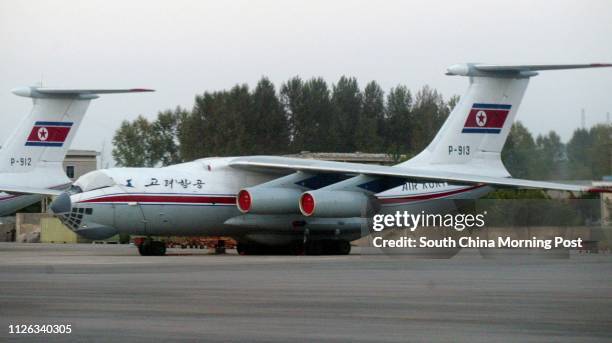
44	136
475	132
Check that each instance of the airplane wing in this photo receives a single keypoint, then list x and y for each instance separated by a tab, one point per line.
273	163
29	190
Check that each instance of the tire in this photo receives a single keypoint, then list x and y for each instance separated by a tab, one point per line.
159	248
242	249
155	248
343	248
144	250
313	248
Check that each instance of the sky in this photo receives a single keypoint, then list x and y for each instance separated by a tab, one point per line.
182	48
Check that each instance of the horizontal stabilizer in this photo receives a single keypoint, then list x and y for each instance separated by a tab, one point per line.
37	92
536	67
482	69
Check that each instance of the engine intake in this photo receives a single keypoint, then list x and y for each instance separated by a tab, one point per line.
268	200
342	204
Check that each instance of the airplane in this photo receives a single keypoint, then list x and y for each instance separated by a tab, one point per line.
32	156
291	205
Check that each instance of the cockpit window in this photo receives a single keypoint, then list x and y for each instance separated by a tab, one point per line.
94	180
75	189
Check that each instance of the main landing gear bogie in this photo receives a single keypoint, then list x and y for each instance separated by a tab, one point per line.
152	248
318	247
331	247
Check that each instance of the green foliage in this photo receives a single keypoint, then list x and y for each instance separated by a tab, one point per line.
518	152
309	111
347	104
589	153
371	120
398	128
587	156
266	124
131	143
429	113
164	146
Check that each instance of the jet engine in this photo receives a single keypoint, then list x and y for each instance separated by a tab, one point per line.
268	200
342	204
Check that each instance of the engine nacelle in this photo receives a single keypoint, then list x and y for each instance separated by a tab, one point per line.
343	204
268	200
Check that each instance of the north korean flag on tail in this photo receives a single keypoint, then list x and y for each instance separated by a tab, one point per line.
486	118
49	133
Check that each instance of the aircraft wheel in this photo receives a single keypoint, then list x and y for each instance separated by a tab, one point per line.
328	248
242	249
153	248
343	248
159	248
313	248
143	250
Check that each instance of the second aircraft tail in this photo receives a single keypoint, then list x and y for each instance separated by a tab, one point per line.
473	136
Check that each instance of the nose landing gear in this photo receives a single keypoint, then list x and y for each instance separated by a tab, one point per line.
149	247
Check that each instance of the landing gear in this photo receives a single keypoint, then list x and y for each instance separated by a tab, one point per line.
330	247
249	248
319	247
152	248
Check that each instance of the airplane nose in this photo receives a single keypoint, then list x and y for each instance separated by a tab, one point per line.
61	204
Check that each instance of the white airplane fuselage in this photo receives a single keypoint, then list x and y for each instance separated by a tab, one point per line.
197	198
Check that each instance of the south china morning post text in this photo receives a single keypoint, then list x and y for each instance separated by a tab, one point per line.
457	222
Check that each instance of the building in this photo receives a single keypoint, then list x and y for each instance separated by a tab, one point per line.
79	162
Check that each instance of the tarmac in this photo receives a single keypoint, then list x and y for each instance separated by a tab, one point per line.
110	293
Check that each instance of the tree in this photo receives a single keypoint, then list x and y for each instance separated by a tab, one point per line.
601	151
519	152
589	152
225	128
368	136
550	161
132	142
266	124
452	102
397	129
578	155
292	100
191	132
347	105
309	110
164	141
319	117
429	113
